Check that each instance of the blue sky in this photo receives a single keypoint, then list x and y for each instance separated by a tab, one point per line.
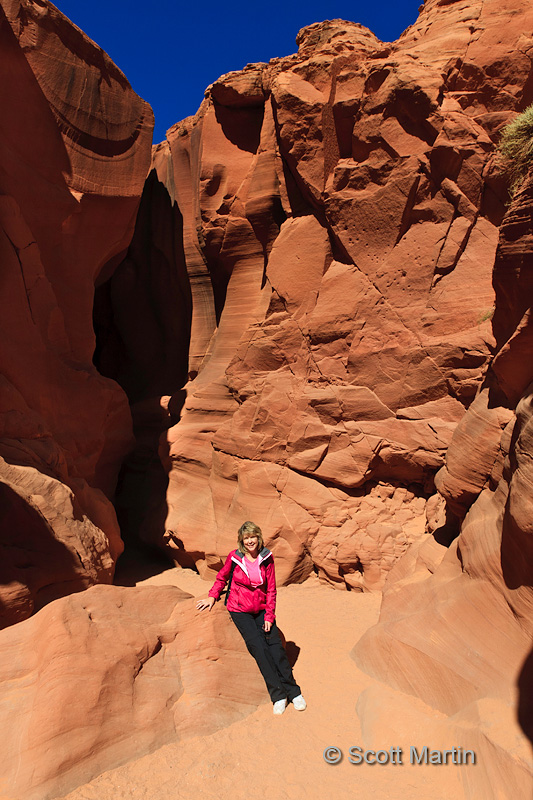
171	51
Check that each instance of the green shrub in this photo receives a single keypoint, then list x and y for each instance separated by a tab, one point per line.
516	147
488	314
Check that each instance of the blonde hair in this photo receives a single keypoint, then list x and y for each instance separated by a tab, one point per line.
249	529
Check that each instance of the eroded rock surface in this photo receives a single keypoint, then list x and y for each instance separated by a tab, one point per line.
97	678
74	154
458	633
340	219
324	229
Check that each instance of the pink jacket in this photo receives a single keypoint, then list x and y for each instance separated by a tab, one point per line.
242	595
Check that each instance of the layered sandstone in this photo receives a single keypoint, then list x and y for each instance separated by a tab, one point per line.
340	212
152	672
74	154
315	250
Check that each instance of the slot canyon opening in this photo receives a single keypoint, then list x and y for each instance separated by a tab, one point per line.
142	322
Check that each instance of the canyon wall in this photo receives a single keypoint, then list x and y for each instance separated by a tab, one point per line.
340	211
456	624
74	154
302	292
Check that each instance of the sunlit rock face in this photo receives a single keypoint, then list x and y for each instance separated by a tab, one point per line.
74	154
340	212
458	633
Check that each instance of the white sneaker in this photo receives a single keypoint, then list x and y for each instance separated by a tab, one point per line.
280	706
299	703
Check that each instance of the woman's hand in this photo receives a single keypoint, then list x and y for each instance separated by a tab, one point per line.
207	602
266	626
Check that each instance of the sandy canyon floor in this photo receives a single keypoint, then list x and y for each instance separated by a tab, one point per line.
282	757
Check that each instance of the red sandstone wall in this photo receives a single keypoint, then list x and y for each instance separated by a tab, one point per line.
456	625
74	154
340	212
340	219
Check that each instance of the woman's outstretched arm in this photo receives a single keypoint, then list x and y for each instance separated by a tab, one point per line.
217	588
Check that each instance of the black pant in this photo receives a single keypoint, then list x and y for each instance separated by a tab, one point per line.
269	653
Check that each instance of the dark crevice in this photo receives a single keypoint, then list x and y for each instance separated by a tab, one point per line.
142	321
43	567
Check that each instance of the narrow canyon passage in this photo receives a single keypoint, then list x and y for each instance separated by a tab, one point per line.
282	757
310	306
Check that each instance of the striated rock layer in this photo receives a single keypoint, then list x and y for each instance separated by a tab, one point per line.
74	155
340	211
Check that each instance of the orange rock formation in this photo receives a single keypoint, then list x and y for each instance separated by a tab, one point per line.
304	302
73	159
340	219
151	671
456	626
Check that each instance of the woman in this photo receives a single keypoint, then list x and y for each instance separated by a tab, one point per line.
251	602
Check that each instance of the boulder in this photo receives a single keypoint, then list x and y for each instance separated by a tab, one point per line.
151	670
